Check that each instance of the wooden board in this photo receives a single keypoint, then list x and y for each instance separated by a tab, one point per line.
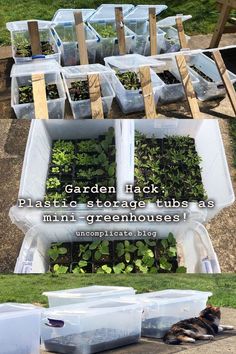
229	29
225	78
120	30
188	87
39	94
181	34
153	30
148	95
95	96
80	35
219	30
231	3
34	37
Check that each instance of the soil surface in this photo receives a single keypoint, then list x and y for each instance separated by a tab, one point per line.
222	344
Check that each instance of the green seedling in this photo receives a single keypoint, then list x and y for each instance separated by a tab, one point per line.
125	249
56	250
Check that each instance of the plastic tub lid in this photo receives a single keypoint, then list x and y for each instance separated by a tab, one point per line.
67	15
107	11
133	61
23	25
34	67
171	20
141	12
11	310
172	295
89	292
72	71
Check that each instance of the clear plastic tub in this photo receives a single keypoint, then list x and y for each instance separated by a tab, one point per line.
211	85
20	37
171	42
67	15
161	309
108	46
141	29
83	295
82	109
195	250
92	328
173	92
132	100
65	34
106	12
19	328
141	12
21	76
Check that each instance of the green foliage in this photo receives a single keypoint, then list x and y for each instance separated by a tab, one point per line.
129	80
102	249
53	183
55	196
105	30
79	90
56	250
79	269
60	269
125	249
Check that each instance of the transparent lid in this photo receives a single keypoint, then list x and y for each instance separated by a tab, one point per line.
90	291
141	12
34	67
67	15
8	309
72	71
132	61
171	20
107	11
23	25
172	295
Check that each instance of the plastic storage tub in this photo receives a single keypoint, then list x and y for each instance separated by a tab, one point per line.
20	34
173	92
212	86
137	21
132	100
92	327
195	250
107	46
20	328
21	76
63	29
83	295
161	309
215	172
82	109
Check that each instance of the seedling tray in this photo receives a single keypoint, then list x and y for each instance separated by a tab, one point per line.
90	342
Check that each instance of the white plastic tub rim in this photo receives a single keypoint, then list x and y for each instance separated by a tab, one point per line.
129	61
13	310
106	12
129	34
209	145
64	16
140	12
195	249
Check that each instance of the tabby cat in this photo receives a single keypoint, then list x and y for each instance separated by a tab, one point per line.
204	327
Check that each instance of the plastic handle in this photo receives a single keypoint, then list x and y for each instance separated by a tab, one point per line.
39	56
55	323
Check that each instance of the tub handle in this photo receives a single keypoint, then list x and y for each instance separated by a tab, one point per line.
55	323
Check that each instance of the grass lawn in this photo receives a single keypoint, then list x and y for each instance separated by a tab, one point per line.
28	288
204	12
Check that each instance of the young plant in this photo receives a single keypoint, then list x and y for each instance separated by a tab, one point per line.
79	90
55	196
102	249
125	249
79	269
105	269
129	80
122	268
53	183
105	31
85	252
60	269
56	250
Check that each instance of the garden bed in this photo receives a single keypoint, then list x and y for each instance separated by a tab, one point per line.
103	256
83	162
172	164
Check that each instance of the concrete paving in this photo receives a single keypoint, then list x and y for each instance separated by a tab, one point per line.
222	344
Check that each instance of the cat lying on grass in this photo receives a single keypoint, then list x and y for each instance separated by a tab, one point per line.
204	327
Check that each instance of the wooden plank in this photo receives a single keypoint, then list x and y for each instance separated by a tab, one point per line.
95	96
181	34
231	3
80	35
120	30
225	78
148	95
39	94
34	37
225	11
188	86
153	30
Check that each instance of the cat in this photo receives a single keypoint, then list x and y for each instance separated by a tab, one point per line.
204	327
